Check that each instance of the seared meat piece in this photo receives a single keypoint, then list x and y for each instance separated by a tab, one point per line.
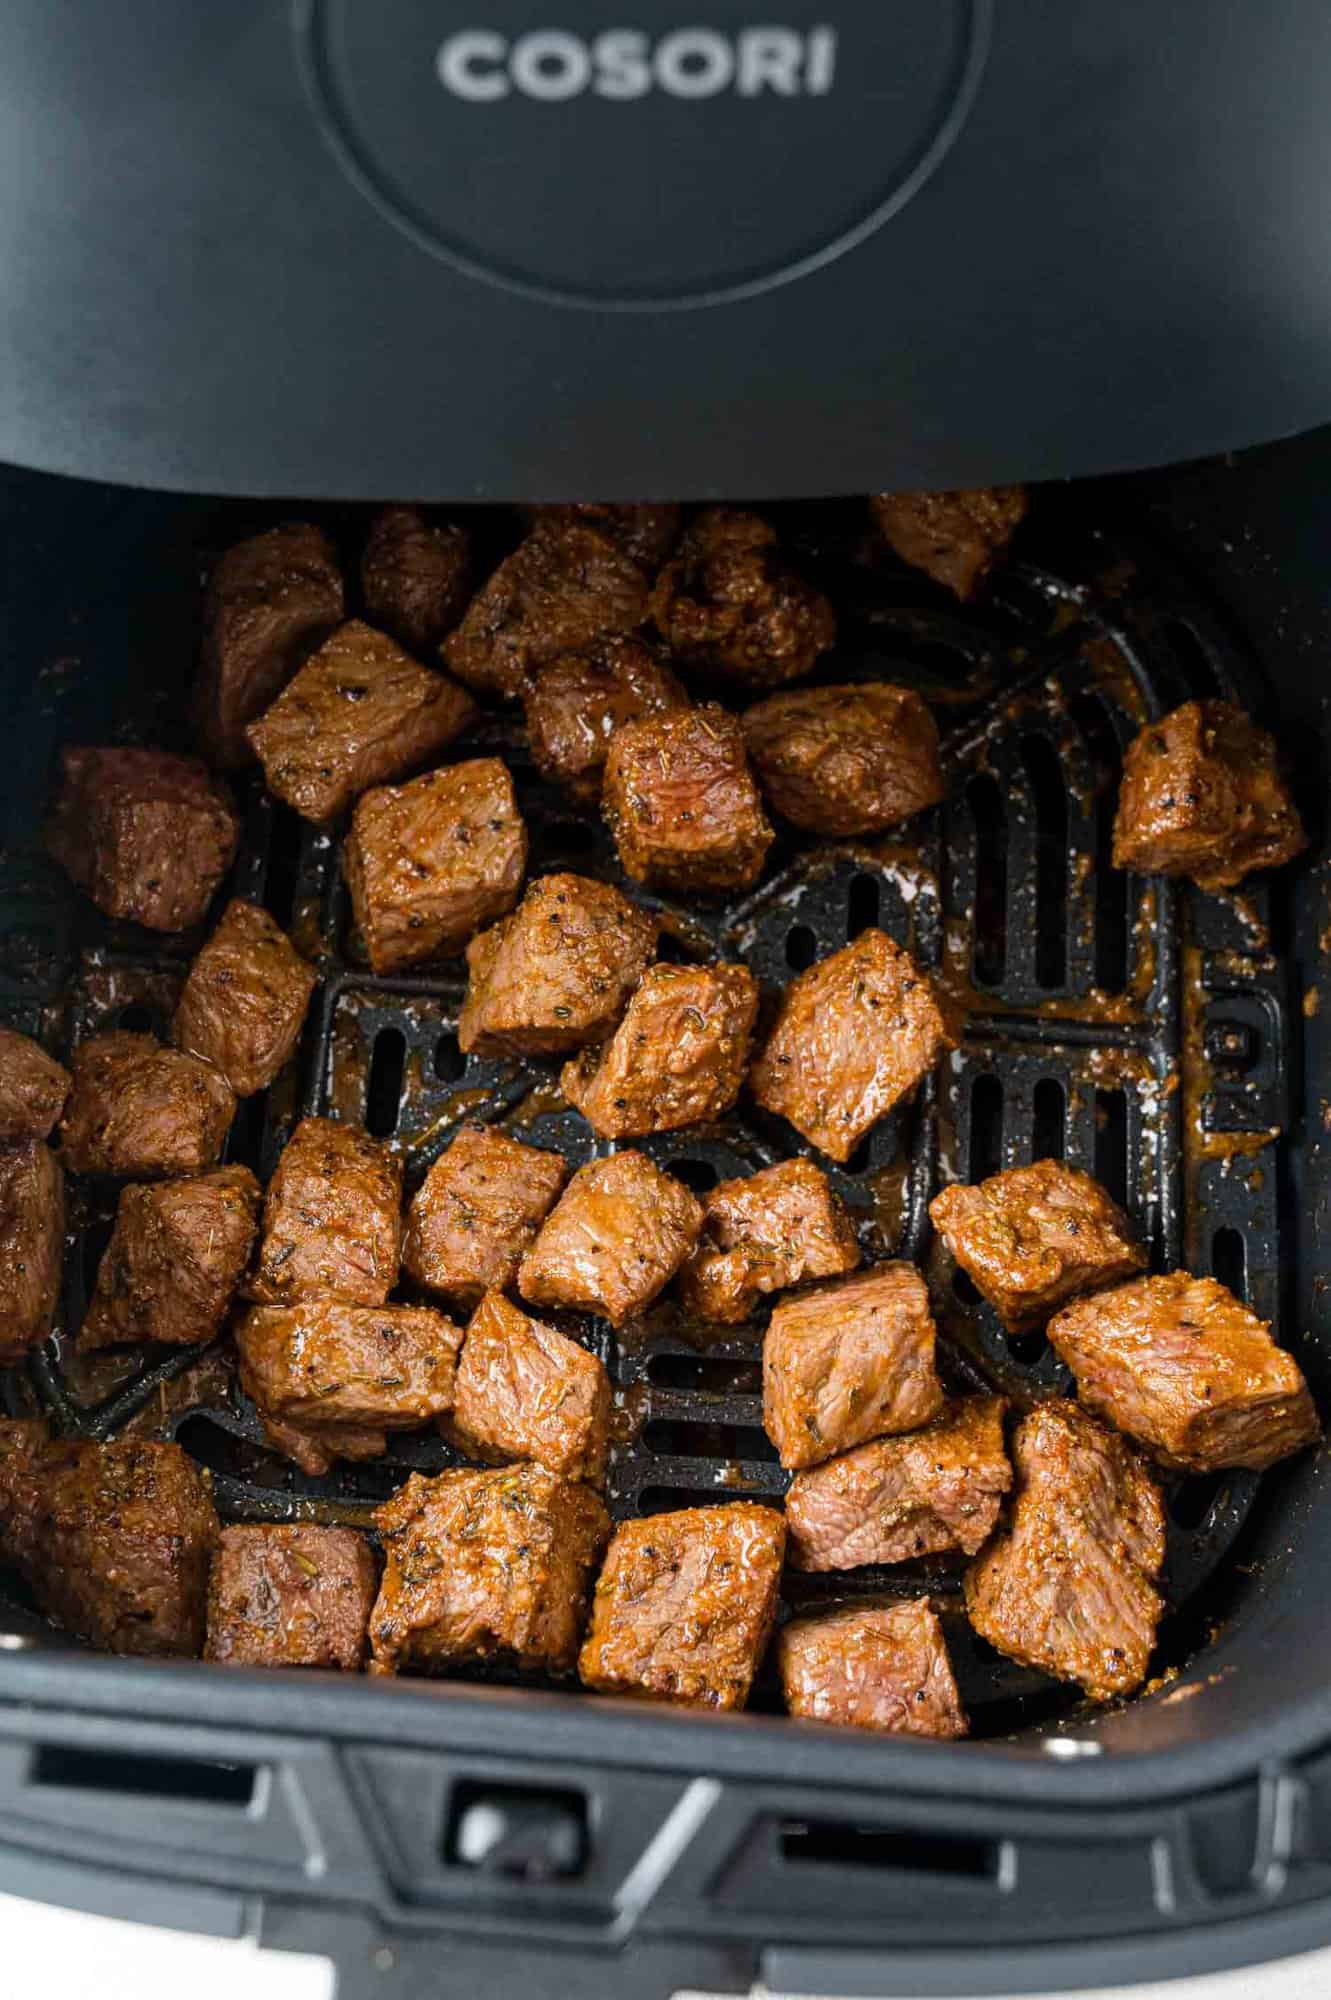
174	1261
147	835
1034	1236
477	1213
27	1456
956	538
1202	795
139	1111
558	972
875	1667
360	712
762	1234
681	802
243	1004
939	1488
325	1366
526	1391
618	1235
855	1034
645	530
729	603
578	701
1182	1366
32	1241
484	1565
415	576
271	601
316	1448
677	1057
331	1223
428	863
33	1088
684	1605
1067	1586
295	1596
851	1361
565	586
845	760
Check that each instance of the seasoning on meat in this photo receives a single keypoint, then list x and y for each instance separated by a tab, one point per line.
244	1001
271	600
1181	1365
619	1233
331	1222
564	587
876	1667
527	1391
428	863
845	760
32	1241
139	1111
851	1361
485	1565
956	538
415	576
677	1057
763	1233
681	802
645	530
176	1256
731	604
297	1596
33	1088
576	702
147	835
477	1212
854	1035
324	1365
684	1605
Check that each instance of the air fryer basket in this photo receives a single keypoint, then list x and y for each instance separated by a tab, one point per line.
1138	1028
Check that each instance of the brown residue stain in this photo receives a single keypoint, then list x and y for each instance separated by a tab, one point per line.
1312	1003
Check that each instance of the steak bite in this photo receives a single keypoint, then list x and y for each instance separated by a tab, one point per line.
617	1236
324	1366
562	588
271	600
558	972
331	1222
851	1361
32	1242
243	1004
854	1035
526	1391
415	576
139	1111
360	712
577	702
956	538
485	1565
731	604
1202	795
176	1256
296	1596
1068	1585
1182	1366
27	1457
680	800
428	863
763	1233
684	1605
931	1491
645	530
876	1667
1034	1236
147	835
677	1057
33	1088
317	1448
477	1212
845	760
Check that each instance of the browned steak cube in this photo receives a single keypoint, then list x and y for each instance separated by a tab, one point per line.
27	1457
731	604
762	1234
428	863
477	1213
558	972
1068	1585
1034	1236
244	1001
485	1565
932	1490
566	585
415	576
1182	1366
844	760
317	1448
360	712
681	802
33	1088
1202	795
851	1361
325	1366
32	1242
577	702
271	601
956	538
879	1667
684	1605
677	1057
621	1230
140	1111
177	1254
854	1035
645	530
526	1391
147	835
295	1596
331	1222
